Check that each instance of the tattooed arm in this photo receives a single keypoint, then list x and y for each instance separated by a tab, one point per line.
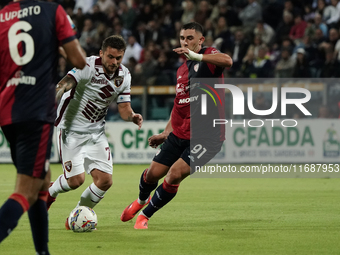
64	85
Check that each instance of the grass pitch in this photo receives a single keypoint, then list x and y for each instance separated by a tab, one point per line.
208	216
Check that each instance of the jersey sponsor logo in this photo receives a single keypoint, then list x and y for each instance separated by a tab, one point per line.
196	67
99	81
118	81
28	11
20	78
188	100
68	166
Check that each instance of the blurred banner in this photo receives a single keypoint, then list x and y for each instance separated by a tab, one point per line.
128	144
310	141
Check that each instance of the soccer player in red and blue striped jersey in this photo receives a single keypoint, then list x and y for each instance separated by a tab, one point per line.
184	146
30	35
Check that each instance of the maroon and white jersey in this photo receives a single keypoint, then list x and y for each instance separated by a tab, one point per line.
181	116
30	34
84	107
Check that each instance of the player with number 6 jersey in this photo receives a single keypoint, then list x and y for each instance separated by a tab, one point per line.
85	97
31	33
29	58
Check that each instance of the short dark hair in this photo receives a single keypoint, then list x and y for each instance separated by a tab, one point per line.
114	41
193	25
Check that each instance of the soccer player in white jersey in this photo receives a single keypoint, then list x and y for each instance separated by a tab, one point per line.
85	96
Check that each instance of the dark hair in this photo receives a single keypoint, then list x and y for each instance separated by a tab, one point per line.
193	25
114	41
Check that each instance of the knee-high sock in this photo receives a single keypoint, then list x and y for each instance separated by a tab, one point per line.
10	213
145	187
59	186
163	195
91	196
38	217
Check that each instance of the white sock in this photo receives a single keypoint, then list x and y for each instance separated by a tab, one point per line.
91	196
141	213
142	202
59	186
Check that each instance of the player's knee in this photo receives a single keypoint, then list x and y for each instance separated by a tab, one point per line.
30	195
75	181
31	198
47	181
151	176
174	177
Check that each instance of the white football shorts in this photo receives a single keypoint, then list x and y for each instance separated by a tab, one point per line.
81	152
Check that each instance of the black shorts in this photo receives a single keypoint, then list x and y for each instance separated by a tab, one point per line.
30	144
194	152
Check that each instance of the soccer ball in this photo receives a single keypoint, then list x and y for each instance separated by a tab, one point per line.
82	219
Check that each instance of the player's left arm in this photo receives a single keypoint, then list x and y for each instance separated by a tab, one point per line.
217	59
127	114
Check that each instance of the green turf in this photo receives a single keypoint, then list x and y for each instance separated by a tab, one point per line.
208	216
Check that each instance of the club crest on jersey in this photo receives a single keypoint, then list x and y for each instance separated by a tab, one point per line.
118	81
196	67
68	166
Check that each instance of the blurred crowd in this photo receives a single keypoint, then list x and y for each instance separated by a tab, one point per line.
268	38
265	38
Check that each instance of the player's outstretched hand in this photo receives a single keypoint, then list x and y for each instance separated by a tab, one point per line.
189	54
138	120
156	140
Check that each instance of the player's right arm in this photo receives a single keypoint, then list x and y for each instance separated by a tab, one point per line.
216	58
158	139
67	39
64	85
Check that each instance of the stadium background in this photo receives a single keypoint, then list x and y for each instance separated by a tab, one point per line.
296	41
209	216
268	38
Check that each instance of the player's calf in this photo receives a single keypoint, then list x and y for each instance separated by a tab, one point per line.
145	186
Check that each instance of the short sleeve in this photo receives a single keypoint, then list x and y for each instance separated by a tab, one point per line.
125	96
212	68
81	74
64	30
